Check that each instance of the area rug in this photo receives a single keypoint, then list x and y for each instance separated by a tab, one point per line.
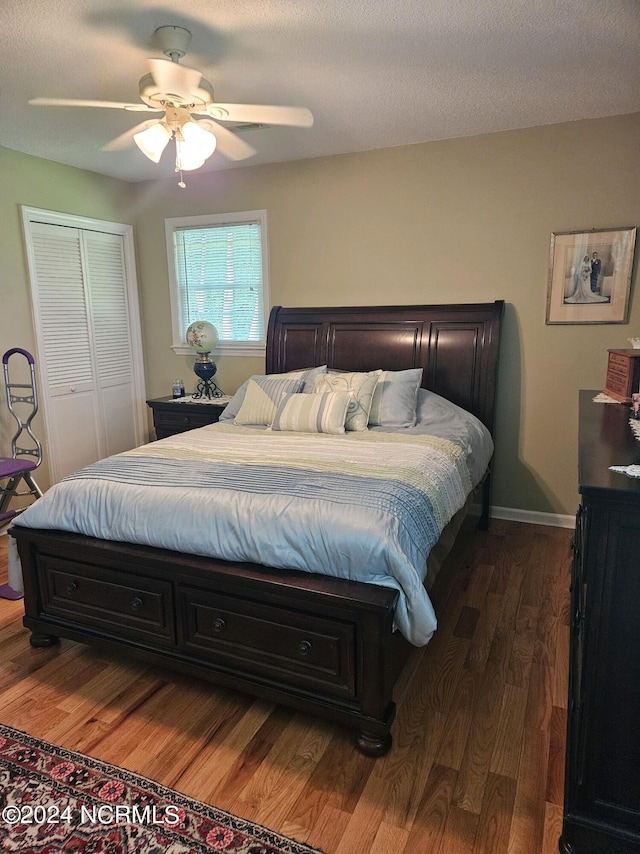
55	800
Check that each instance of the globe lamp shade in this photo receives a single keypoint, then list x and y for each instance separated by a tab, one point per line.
202	336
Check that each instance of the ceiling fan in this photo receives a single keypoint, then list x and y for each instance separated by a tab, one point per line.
183	95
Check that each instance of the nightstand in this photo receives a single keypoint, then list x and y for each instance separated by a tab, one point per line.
176	416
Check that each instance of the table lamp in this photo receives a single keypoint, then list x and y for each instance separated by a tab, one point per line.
202	336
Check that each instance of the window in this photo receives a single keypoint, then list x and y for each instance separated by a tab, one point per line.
218	272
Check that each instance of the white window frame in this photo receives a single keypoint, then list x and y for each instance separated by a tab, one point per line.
225	348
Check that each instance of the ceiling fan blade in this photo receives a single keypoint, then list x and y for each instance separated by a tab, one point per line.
262	114
228	143
174	79
125	140
72	102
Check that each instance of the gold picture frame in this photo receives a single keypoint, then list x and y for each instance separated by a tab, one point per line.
590	275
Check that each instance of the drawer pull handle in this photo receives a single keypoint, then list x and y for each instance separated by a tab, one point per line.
219	625
136	603
71	588
304	647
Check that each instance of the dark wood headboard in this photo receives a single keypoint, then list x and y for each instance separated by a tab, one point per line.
456	345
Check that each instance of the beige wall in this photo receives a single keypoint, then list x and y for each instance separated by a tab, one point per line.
39	183
453	221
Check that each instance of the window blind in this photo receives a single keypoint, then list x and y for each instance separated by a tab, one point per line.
219	279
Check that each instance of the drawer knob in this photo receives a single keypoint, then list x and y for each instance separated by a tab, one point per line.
304	647
71	588
136	603
219	625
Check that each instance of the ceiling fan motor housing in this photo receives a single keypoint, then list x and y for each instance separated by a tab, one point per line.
152	95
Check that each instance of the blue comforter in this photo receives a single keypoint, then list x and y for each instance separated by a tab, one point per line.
364	506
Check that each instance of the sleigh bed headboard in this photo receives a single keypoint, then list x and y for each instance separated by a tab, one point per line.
456	345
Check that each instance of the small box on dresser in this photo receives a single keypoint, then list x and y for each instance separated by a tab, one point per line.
623	374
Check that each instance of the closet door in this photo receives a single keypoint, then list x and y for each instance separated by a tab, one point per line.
110	325
88	352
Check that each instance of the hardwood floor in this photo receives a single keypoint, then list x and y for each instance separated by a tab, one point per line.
478	755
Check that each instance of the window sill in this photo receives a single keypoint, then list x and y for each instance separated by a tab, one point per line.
254	350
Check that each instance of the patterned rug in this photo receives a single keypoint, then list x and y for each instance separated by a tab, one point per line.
54	800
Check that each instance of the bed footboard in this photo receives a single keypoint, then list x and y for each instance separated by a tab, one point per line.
320	644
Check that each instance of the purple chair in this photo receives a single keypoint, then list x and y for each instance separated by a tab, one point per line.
26	451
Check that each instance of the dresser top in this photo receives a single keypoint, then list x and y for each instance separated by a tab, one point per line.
606	439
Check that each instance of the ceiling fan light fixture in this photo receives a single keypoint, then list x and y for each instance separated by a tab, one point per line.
193	146
153	141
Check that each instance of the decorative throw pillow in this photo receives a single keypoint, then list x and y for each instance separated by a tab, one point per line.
395	398
362	386
306	376
324	412
262	398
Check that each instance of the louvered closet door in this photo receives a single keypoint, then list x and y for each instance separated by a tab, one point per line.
64	340
85	352
106	289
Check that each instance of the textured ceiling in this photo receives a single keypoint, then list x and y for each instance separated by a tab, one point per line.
375	73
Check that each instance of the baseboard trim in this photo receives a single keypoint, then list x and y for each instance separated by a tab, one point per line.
533	517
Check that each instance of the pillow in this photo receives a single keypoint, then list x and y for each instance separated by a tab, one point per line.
362	386
305	375
262	398
395	398
324	412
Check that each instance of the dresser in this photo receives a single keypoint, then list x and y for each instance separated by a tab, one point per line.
602	772
171	416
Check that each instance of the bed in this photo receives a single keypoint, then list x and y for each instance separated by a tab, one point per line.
323	638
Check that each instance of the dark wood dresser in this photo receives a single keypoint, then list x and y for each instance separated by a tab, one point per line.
171	417
602	775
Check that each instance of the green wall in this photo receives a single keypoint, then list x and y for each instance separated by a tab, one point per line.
42	184
452	221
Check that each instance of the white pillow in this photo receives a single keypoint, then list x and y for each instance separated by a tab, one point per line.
323	412
362	386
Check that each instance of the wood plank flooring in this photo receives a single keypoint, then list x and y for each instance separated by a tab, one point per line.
477	761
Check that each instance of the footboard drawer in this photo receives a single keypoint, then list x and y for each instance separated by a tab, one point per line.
114	602
303	650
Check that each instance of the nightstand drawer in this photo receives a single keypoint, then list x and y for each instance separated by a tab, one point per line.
304	650
107	600
171	417
178	421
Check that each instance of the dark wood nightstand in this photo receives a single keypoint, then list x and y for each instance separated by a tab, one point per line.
171	417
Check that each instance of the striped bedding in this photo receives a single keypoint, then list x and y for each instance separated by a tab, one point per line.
366	506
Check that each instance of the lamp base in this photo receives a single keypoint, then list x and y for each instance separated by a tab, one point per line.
205	370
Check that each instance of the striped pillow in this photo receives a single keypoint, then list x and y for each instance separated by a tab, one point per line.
262	398
313	413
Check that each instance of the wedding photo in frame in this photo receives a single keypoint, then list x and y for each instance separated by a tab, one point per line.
590	275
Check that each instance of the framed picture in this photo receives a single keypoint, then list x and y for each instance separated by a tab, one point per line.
590	275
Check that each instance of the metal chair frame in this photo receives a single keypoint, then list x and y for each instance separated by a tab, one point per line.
26	450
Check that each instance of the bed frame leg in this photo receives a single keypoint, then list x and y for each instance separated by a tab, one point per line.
373	745
485	513
39	640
